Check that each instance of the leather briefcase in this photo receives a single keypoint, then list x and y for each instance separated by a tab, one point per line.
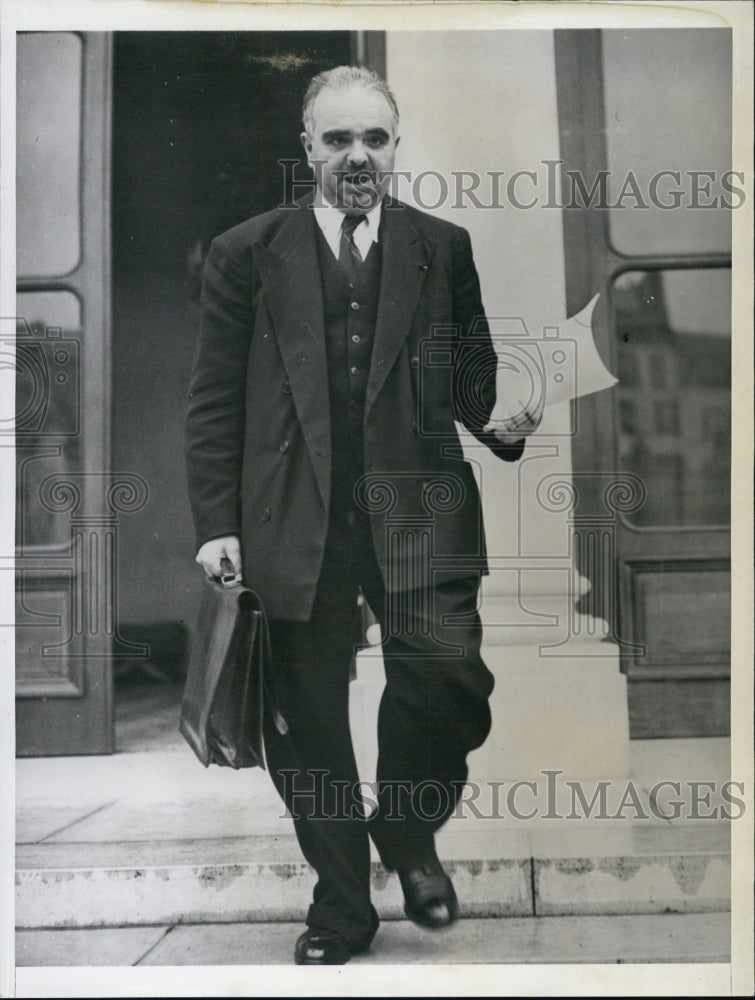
224	697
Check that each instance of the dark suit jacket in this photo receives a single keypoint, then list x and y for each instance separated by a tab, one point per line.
258	431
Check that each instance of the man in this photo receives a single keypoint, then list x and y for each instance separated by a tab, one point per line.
323	458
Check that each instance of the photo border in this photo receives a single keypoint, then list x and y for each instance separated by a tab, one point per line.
451	980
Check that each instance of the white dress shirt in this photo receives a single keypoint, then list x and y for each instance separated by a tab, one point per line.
329	219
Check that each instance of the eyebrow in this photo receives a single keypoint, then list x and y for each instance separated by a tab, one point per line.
337	133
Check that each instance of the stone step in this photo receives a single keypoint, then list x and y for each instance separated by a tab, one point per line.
258	879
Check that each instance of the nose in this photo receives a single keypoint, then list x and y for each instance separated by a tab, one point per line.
357	154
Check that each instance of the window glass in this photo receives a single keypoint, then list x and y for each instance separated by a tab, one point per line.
674	391
48	130
48	407
668	131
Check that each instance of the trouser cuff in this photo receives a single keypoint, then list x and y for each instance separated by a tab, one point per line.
358	934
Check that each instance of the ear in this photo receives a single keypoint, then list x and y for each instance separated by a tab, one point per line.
307	143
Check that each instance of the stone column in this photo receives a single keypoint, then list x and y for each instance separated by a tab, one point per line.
560	700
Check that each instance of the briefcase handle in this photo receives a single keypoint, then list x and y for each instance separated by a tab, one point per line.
228	575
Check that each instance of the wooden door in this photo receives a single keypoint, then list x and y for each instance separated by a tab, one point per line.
647	188
68	501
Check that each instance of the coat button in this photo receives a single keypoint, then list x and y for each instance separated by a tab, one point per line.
286	387
356	339
265	515
414	362
284	446
354	370
355	306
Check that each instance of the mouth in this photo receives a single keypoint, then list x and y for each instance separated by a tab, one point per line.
361	178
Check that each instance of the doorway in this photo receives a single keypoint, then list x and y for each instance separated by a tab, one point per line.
199	121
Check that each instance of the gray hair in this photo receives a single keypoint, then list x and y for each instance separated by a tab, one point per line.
341	77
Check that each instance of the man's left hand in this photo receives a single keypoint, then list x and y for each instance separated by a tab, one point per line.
513	426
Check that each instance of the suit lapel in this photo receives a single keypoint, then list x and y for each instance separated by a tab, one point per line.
406	258
292	289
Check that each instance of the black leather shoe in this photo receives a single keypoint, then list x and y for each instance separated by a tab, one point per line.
321	946
429	897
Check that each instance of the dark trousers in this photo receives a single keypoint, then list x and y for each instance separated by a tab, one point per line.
434	710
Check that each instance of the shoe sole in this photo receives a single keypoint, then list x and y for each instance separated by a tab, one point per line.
422	921
306	961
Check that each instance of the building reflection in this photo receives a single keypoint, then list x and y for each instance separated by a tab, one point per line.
674	393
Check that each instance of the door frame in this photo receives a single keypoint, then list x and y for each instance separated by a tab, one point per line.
71	710
592	264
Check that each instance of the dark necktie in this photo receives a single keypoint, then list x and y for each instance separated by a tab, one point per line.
349	256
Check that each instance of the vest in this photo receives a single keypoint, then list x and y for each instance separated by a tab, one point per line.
350	314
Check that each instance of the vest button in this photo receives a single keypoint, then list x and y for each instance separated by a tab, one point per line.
356	339
354	370
284	446
355	306
265	515
286	387
414	362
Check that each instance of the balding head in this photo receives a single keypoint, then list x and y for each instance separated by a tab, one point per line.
344	77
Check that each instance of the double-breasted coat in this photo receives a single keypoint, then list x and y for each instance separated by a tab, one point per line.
258	441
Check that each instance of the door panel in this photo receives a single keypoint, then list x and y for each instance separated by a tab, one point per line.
68	504
680	616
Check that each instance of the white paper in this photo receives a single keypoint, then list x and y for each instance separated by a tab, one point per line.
556	364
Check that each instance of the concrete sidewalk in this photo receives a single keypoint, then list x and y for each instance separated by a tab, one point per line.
694	937
146	857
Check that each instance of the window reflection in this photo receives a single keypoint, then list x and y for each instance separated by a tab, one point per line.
674	392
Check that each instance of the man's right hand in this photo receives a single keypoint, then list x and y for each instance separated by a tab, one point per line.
212	552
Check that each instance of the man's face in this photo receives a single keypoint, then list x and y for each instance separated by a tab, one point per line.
354	141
